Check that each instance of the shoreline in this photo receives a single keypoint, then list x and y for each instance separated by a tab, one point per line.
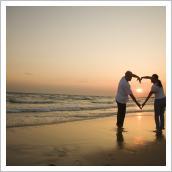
89	118
88	142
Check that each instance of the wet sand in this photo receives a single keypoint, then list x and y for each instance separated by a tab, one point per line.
90	142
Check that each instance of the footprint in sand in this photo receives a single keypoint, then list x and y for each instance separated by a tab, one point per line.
61	152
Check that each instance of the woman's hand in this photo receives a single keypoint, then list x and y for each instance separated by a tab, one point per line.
143	104
139	79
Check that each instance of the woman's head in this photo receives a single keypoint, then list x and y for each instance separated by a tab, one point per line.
155	79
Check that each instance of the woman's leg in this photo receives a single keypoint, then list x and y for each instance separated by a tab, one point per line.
162	118
157	114
162	111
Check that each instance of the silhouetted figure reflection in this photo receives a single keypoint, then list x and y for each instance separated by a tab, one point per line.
120	138
160	137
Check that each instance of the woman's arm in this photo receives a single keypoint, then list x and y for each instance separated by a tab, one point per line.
146	77
149	95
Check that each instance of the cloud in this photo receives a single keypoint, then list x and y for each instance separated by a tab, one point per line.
82	81
28	73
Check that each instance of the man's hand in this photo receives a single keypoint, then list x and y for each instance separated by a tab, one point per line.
134	99
139	79
135	76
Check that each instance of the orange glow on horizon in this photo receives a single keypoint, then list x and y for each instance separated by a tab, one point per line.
46	52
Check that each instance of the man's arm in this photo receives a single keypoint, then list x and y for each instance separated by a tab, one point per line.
134	99
149	95
135	76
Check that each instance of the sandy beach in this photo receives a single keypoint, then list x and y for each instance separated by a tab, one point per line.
93	142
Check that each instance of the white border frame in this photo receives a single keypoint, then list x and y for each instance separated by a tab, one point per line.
167	4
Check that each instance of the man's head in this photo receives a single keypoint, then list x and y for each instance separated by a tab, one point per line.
154	78
128	75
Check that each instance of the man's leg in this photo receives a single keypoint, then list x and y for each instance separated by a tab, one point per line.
120	114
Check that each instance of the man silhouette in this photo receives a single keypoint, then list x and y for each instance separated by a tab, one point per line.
122	97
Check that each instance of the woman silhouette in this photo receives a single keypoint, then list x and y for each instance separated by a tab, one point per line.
159	103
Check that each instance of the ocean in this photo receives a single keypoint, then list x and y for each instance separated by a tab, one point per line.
33	109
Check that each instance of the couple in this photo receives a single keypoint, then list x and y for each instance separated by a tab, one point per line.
122	98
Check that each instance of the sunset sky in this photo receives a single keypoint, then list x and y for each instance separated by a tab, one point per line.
83	50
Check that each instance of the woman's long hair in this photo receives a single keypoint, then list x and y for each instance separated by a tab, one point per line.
159	83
